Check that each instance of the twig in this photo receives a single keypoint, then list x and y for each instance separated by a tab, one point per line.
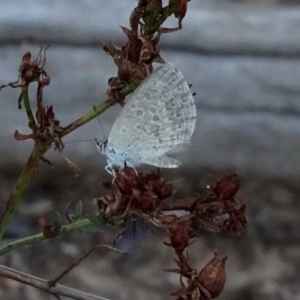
19	188
34	159
42	284
31	119
88	116
71	267
97	110
79	260
14	84
39	237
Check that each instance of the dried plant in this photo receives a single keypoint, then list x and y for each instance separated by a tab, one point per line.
130	196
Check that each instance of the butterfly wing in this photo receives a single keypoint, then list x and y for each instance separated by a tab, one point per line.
158	118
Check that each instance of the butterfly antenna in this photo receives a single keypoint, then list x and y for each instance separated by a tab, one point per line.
79	141
94	107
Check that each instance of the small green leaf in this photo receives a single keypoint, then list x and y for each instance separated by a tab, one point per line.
78	209
57	220
97	220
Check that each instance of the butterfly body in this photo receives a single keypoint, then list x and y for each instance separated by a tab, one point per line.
116	157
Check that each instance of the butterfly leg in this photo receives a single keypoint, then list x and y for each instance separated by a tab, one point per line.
109	169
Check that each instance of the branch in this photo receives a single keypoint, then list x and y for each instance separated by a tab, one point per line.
40	237
31	119
88	116
79	260
34	159
97	110
19	188
42	284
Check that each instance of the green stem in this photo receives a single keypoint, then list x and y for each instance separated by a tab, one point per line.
88	116
40	237
31	120
19	188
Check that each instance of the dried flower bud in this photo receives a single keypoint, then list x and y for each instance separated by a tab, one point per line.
237	220
108	205
213	277
181	11
34	70
50	231
181	236
125	70
227	187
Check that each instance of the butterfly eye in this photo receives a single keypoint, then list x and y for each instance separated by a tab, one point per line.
101	146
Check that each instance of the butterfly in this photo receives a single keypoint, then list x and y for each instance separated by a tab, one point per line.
158	119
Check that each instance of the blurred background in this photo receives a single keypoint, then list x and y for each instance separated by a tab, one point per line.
243	60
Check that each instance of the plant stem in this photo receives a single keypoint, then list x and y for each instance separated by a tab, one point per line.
88	116
31	121
40	237
43	284
34	159
19	188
